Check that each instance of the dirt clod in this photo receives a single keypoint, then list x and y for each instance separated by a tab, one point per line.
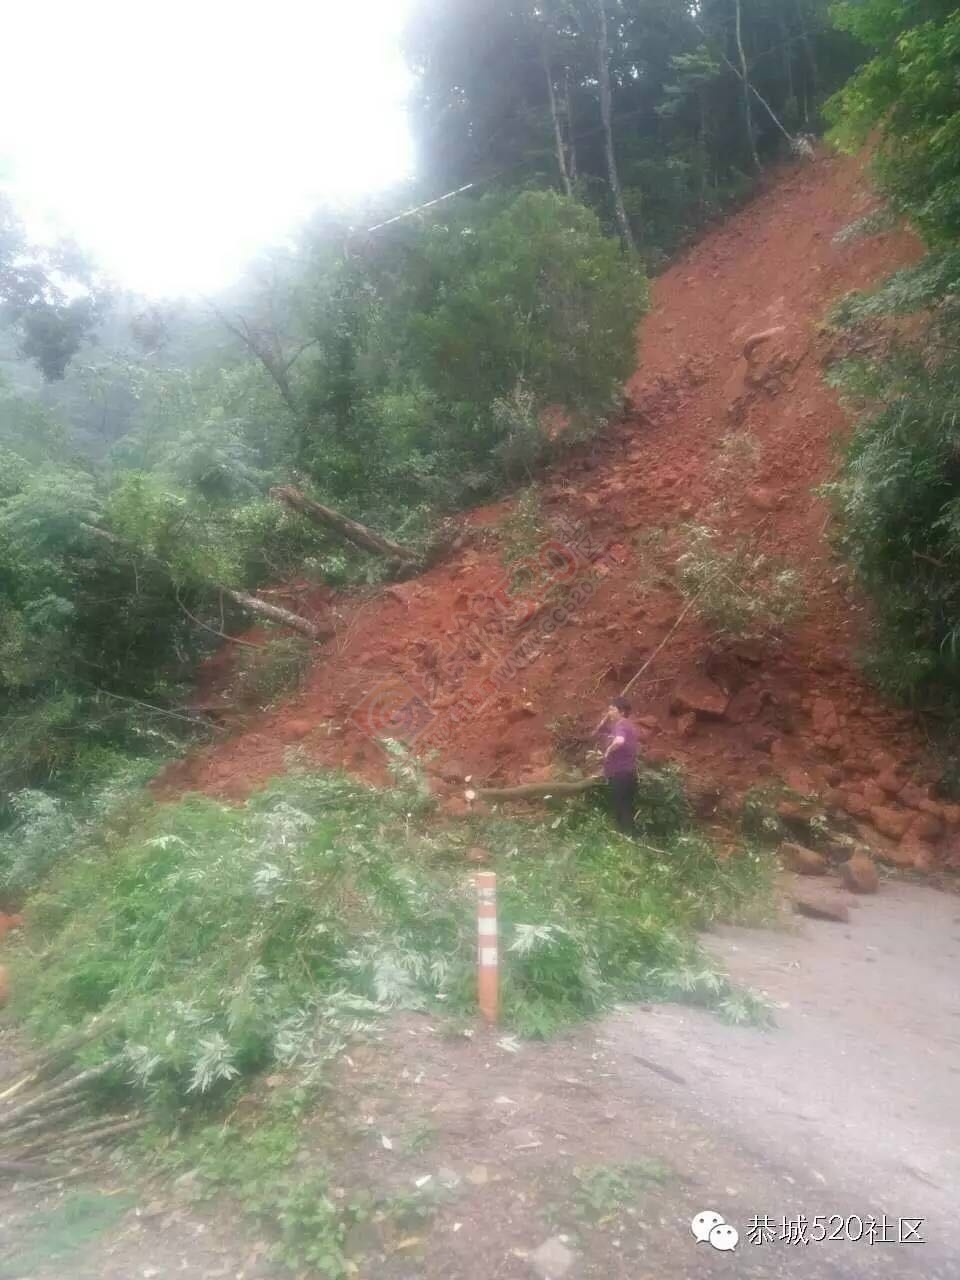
803	861
699	694
820	907
859	874
890	822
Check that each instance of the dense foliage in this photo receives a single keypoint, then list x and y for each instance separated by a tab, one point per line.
393	374
396	382
909	92
899	496
514	91
453	337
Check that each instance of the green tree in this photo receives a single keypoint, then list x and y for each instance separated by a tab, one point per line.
899	494
46	295
511	91
909	91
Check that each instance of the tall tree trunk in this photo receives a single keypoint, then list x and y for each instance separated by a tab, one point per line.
278	365
606	113
571	133
745	81
787	55
812	69
555	118
704	147
352	530
748	89
272	361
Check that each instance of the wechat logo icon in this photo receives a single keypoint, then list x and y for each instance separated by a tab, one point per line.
709	1227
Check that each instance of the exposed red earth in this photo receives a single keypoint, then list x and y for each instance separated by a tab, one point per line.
729	422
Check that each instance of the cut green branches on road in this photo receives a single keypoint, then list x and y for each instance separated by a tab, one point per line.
221	939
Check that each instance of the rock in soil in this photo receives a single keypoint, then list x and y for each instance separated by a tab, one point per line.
821	907
805	862
700	695
903	856
889	822
553	1260
925	826
859	874
888	781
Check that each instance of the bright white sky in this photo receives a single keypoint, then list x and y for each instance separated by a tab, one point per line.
173	139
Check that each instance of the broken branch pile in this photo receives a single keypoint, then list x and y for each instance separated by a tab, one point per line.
47	1130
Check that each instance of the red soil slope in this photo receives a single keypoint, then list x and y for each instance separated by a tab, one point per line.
428	650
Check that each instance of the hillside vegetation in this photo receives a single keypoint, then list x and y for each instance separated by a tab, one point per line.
899	497
395	374
201	506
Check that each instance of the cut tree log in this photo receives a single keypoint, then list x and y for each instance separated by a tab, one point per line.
349	529
537	790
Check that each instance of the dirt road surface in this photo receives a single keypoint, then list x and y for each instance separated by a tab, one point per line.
609	1140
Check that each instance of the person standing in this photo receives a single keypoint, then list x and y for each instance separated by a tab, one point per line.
621	744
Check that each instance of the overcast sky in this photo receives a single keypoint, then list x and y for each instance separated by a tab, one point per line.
174	139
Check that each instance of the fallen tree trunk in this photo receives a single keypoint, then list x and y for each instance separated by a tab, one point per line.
274	613
537	790
349	529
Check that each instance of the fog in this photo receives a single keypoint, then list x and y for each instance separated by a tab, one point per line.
173	141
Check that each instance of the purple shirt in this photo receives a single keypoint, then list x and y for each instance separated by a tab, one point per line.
622	760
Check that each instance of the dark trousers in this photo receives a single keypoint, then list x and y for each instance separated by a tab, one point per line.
623	801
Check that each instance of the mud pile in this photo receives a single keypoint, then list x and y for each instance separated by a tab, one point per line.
729	423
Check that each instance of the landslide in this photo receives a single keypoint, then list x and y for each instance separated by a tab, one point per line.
797	711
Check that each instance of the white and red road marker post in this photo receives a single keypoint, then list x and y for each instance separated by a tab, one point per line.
488	960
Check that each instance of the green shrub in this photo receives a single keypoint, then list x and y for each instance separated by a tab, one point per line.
43	828
898	502
739	592
663	807
522	531
906	93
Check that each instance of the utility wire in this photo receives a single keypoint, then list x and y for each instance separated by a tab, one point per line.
467	186
498	173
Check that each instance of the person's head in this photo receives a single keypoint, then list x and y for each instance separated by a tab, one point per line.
619	707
